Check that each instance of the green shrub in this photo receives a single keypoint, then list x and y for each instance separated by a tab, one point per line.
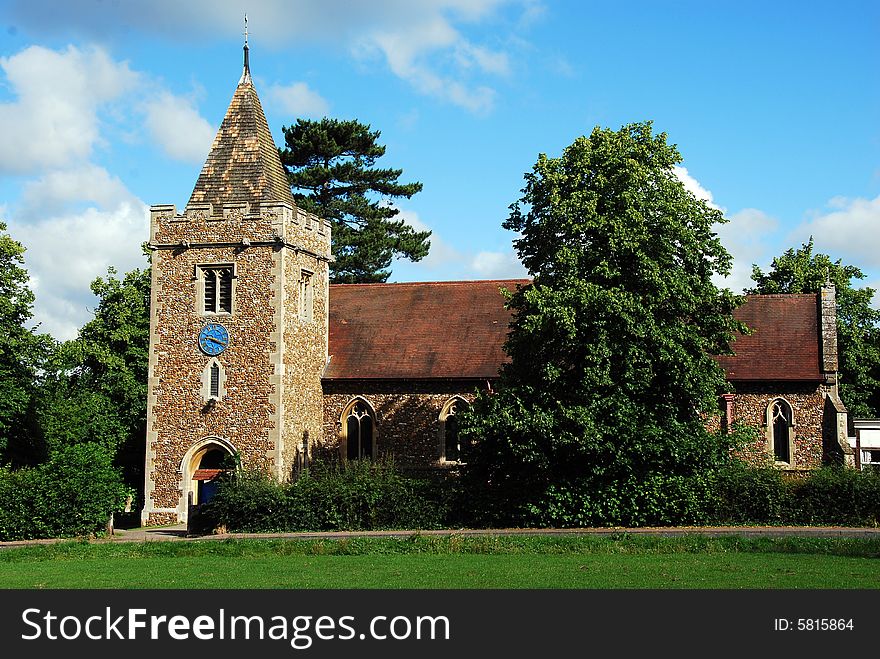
364	495
248	501
73	494
836	496
748	495
19	494
654	500
356	495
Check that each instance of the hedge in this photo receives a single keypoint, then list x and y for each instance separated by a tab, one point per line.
356	495
364	495
74	494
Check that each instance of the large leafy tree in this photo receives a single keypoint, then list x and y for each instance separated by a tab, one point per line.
603	404
858	336
96	390
21	352
330	166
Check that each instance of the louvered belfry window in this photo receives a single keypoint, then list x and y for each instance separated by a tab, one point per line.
217	289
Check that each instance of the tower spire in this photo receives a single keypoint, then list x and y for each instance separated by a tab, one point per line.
246	74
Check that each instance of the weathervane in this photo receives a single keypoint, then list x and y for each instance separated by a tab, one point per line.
247	65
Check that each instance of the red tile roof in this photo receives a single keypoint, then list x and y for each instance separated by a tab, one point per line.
457	330
452	329
206	474
784	344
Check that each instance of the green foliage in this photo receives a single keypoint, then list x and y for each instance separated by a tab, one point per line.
95	387
73	494
837	496
748	495
332	163
356	495
743	494
656	500
858	335
611	371
22	352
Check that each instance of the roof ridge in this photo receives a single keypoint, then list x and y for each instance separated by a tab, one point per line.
781	295
438	283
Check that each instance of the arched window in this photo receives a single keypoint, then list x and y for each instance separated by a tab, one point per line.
451	448
780	430
213	381
359	430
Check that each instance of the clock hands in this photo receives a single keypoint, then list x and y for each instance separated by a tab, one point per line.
217	341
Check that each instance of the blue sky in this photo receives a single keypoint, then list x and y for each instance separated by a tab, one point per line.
108	107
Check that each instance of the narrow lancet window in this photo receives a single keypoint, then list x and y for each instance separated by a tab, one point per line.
359	431
780	425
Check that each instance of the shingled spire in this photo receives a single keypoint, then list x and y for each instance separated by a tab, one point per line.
243	165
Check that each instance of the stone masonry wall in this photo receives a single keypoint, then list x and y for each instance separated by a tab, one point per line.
247	418
407	423
807	402
407	415
305	355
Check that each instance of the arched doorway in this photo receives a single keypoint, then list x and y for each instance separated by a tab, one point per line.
200	468
212	463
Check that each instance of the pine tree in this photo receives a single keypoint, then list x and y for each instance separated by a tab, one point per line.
330	166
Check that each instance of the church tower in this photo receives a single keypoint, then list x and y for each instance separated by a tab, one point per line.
238	326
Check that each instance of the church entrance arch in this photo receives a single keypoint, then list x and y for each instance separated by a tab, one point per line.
200	467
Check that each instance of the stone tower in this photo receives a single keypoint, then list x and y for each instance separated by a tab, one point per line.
238	327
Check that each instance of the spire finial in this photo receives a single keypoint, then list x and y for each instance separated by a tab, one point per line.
246	74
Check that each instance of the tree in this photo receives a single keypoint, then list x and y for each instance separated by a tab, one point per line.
21	352
333	162
600	414
96	391
858	337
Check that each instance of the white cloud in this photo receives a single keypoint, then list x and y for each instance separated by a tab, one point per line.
179	128
750	236
469	55
54	118
407	55
446	261
498	265
442	257
849	230
299	100
65	253
74	217
693	186
55	190
420	41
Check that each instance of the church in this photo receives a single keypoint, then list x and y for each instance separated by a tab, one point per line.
254	354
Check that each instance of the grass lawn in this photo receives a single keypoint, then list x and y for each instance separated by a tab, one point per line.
451	562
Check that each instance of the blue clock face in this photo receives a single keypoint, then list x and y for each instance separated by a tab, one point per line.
213	339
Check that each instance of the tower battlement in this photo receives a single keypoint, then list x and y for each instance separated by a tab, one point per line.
276	223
